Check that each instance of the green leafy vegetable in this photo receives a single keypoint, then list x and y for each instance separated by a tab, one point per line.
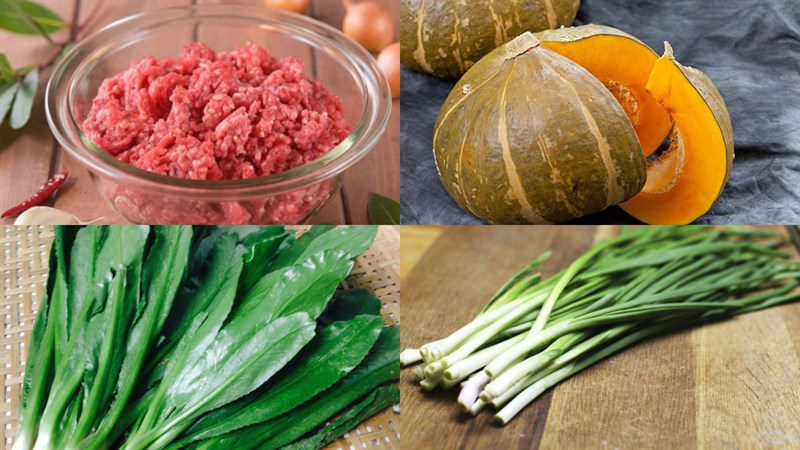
23	101
216	285
303	287
8	92
149	338
261	246
26	17
219	369
161	277
350	240
348	305
380	366
334	352
383	210
375	402
78	359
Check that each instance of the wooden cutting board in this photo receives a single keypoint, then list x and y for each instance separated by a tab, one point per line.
735	384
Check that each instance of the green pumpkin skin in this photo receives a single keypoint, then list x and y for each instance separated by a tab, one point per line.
444	38
528	136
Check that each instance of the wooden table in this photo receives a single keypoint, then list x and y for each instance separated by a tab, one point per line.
734	384
28	157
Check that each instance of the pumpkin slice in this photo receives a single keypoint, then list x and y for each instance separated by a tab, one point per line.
622	63
684	181
528	136
444	38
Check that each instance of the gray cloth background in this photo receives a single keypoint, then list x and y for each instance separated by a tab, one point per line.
750	48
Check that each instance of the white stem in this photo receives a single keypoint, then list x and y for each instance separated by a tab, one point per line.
424	351
531	393
43	441
410	356
477	360
503	398
435	368
473	387
530	342
447	384
518	372
430	384
23	442
483	336
476	407
438	349
560	361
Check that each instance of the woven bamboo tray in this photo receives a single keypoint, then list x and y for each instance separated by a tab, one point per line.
23	271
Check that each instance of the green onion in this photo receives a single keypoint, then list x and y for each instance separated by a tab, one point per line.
535	332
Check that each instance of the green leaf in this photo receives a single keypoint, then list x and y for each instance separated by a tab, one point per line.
23	102
261	247
303	287
383	210
57	287
213	288
216	283
161	275
376	401
103	338
85	248
350	304
123	246
26	17
7	93
332	354
239	359
382	364
38	375
101	374
7	74
352	240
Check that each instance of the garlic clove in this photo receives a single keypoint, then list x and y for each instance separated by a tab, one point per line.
43	215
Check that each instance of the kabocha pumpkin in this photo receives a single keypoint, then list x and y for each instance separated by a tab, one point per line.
445	37
528	136
623	64
685	181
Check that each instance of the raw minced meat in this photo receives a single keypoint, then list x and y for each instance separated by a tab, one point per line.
216	116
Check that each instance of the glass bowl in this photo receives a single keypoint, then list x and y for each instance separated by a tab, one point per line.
292	196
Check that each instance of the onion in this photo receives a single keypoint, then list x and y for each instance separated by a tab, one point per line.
369	24
389	60
295	6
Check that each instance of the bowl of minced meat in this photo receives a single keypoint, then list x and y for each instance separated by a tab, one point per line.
216	116
235	136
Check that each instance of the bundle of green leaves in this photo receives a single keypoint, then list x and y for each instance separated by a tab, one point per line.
535	332
157	337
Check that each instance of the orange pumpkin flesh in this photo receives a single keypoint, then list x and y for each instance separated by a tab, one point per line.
685	181
622	63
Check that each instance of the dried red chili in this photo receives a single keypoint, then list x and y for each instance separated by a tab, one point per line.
42	194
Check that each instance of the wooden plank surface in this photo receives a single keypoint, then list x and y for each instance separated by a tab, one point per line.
29	156
416	241
734	384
